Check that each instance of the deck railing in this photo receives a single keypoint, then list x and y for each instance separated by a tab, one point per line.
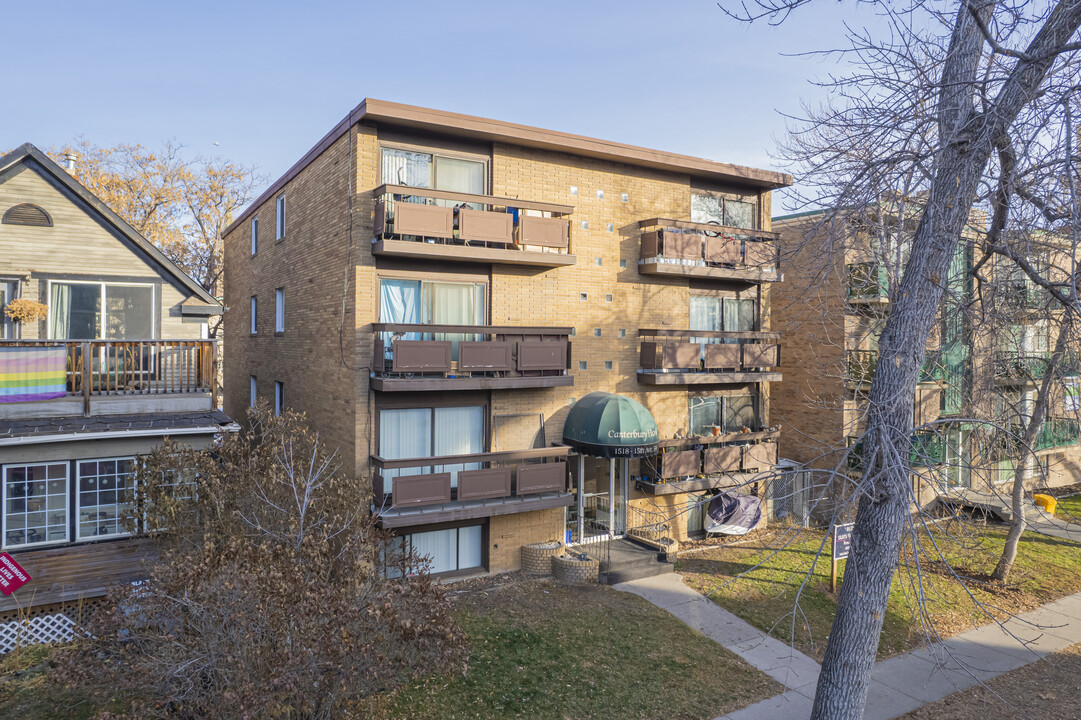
867	281
708	351
861	367
418	482
453	351
719	454
705	245
96	368
452	218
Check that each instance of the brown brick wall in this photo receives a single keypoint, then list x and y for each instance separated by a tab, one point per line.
314	356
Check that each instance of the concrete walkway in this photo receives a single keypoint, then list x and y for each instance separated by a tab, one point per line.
1047	524
898	685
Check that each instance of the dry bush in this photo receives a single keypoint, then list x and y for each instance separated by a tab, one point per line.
267	598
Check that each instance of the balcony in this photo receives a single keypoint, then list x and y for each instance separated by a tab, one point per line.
707	357
1018	367
706	251
423	491
1057	433
927	448
704	463
1024	295
106	377
861	367
410	357
460	227
867	284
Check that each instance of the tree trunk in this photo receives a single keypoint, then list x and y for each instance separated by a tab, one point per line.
965	145
1032	431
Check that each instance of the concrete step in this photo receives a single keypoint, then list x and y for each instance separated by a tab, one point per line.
626	560
626	574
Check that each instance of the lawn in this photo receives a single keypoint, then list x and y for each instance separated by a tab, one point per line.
541	649
768	583
1069	508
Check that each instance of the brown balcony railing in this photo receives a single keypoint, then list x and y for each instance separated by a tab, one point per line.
414	222
675	357
419	357
132	367
678	247
418	482
700	463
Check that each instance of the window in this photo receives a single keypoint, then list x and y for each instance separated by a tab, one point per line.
254	235
731	413
426	302
597	332
105	502
279	217
7	294
722	211
253	395
450	550
429	170
279	397
430	432
254	315
727	314
279	310
95	310
582	365
35	504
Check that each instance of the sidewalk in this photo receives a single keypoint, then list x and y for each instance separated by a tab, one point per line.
898	685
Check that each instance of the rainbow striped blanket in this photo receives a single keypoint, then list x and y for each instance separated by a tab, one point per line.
29	373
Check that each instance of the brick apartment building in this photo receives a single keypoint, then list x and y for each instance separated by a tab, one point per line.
437	292
983	365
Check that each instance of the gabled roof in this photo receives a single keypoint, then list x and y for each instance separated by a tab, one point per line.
375	111
35	159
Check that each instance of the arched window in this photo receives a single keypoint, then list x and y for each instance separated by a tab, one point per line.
27	214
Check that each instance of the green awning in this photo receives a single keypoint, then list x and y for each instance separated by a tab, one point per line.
610	426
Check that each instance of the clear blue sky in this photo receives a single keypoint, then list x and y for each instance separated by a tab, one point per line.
266	80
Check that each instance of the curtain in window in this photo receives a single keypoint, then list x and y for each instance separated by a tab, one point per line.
459	431
399	302
405	433
439	547
706	315
402	167
457	175
738	315
453	304
739	214
75	311
470	551
7	294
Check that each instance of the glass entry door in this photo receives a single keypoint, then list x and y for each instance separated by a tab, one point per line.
599	514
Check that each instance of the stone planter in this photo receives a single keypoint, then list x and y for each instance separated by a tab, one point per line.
537	557
573	569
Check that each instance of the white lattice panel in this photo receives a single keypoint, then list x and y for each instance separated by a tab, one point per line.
37	630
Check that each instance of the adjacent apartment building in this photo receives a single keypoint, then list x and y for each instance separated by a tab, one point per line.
107	357
437	291
984	359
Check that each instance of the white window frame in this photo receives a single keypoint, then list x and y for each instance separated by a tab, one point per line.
4	505
254	313
253	393
254	227
7	325
155	325
279	310
279	217
279	397
79	504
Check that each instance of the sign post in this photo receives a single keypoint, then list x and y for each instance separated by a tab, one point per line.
842	544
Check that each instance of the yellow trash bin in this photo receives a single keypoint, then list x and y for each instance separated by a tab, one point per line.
1047	502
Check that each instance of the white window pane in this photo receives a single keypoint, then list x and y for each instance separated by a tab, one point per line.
707	209
106	498
251	391
254	315
279	218
459	431
254	235
738	214
470	552
35	504
279	310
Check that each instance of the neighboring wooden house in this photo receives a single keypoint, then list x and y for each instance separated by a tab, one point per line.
119	362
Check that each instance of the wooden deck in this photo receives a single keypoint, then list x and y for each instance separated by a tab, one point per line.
73	572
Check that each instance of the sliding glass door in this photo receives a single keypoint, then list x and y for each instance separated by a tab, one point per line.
93	311
406	433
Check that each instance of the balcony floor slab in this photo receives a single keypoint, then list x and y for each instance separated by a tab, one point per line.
469	510
470	253
422	384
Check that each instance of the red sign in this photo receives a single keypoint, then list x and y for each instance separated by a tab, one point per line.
12	576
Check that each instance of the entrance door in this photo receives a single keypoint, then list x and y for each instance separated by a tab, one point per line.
599	514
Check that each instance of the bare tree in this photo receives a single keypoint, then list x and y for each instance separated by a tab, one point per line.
969	103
